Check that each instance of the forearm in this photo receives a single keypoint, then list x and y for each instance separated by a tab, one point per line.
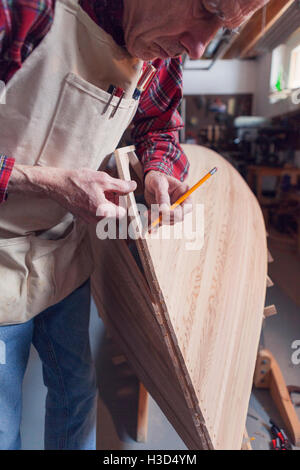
88	194
33	179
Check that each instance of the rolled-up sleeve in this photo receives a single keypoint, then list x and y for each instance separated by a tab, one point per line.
158	121
6	167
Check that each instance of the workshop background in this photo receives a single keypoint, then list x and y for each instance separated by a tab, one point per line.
243	101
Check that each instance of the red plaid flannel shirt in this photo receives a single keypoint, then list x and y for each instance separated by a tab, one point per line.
24	23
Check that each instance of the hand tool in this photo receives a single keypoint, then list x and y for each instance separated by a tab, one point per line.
279	436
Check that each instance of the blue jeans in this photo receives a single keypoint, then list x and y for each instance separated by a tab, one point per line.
61	336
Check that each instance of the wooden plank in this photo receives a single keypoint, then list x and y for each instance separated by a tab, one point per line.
270	283
270	311
246	442
244	44
190	323
143	414
122	162
268	375
270	257
124	300
200	277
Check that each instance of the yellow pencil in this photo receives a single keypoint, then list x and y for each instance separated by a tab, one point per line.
186	195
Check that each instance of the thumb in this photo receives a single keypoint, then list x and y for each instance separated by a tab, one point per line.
120	186
161	191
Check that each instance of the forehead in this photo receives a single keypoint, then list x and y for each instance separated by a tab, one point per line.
234	12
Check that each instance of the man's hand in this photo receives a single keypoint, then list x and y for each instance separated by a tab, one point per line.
90	195
165	190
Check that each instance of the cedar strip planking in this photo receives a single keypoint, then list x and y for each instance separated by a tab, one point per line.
190	329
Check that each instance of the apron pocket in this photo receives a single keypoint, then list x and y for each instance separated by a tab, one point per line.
58	266
81	134
13	279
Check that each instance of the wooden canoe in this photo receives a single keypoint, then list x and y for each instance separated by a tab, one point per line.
189	322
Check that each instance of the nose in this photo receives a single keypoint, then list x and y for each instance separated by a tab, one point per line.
195	48
195	42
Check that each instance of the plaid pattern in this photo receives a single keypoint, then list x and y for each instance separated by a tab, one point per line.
24	23
6	167
157	122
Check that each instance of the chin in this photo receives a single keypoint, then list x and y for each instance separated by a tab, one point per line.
142	53
149	56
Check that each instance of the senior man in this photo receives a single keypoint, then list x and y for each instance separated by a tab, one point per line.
59	60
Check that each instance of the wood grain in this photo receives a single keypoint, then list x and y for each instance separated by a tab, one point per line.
190	324
143	414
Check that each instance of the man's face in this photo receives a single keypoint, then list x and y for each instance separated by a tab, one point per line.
169	28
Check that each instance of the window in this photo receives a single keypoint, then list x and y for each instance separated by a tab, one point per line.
278	78
294	75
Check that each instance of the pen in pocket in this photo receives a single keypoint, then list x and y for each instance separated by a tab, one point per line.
114	92
144	81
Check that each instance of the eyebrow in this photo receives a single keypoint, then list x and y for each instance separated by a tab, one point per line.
219	14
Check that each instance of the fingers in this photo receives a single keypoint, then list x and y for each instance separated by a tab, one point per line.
179	191
187	206
110	210
166	191
171	217
116	185
113	188
160	187
180	212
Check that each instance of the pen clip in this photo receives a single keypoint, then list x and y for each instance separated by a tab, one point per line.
113	92
120	90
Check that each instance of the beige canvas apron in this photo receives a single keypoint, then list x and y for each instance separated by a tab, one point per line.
54	117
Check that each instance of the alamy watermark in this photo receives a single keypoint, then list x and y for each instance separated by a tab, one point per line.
2	92
295	358
189	224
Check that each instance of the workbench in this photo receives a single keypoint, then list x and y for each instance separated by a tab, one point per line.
256	175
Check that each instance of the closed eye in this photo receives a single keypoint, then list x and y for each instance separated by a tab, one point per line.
232	32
